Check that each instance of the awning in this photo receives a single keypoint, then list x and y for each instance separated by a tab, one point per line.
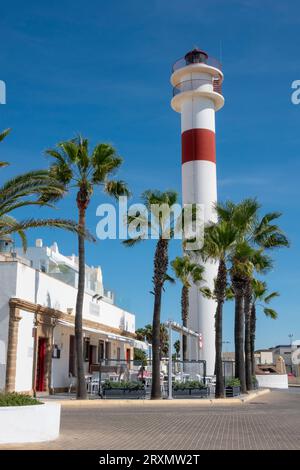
112	336
140	345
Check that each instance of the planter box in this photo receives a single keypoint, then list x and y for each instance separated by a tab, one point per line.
188	392
32	423
123	393
233	391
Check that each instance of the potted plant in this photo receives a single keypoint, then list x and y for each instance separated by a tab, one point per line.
233	388
123	389
190	388
254	382
26	419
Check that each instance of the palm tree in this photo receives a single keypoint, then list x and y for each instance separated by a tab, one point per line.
177	348
261	263
75	167
165	231
34	188
219	241
252	231
187	272
146	333
261	297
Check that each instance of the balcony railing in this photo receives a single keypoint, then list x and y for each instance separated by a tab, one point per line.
194	84
183	62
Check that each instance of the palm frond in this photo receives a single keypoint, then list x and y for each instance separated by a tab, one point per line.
9	226
271	296
116	188
269	312
132	241
4	133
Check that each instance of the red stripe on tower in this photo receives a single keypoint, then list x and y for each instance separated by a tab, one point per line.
198	144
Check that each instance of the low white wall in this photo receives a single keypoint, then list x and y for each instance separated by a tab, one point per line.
273	380
33	423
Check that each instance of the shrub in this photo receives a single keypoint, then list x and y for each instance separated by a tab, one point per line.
17	399
188	385
108	385
233	383
254	382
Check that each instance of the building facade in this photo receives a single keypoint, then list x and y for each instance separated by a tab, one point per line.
37	311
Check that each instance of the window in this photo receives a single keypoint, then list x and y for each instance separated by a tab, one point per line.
118	354
100	351
86	349
108	351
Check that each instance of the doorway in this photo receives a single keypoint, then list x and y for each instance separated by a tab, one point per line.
128	355
41	363
72	356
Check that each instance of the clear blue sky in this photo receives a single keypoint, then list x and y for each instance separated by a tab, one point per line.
102	68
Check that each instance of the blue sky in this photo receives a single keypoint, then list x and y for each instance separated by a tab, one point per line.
102	68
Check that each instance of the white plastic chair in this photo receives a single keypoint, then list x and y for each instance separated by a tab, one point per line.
72	382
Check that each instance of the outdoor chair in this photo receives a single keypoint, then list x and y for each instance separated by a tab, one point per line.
72	382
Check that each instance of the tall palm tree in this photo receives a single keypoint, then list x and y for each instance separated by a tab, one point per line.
261	298
34	188
219	241
187	272
260	263
75	167
165	231
252	231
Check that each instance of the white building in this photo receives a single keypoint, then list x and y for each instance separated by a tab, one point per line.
37	310
264	356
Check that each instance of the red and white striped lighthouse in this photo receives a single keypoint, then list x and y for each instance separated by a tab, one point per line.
197	80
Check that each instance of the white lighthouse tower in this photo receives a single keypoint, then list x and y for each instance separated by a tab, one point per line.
197	80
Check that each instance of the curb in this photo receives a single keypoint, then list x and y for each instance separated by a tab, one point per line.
73	403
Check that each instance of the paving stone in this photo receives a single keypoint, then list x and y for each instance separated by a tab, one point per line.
271	421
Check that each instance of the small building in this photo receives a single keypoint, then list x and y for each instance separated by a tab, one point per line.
264	356
38	292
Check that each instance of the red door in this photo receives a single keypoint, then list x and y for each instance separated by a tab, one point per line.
40	372
128	356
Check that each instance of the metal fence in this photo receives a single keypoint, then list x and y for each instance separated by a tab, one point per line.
196	83
140	372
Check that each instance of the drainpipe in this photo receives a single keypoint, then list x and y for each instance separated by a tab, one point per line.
170	396
34	365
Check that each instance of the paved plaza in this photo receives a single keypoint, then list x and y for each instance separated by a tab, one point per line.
271	421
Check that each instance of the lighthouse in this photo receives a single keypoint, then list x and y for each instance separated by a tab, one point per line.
197	95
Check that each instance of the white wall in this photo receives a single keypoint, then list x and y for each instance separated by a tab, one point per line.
7	290
25	352
22	281
60	367
273	380
45	290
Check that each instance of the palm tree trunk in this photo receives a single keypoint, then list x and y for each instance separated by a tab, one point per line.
219	393
220	290
81	386
247	313
160	269
236	344
252	337
184	315
238	287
